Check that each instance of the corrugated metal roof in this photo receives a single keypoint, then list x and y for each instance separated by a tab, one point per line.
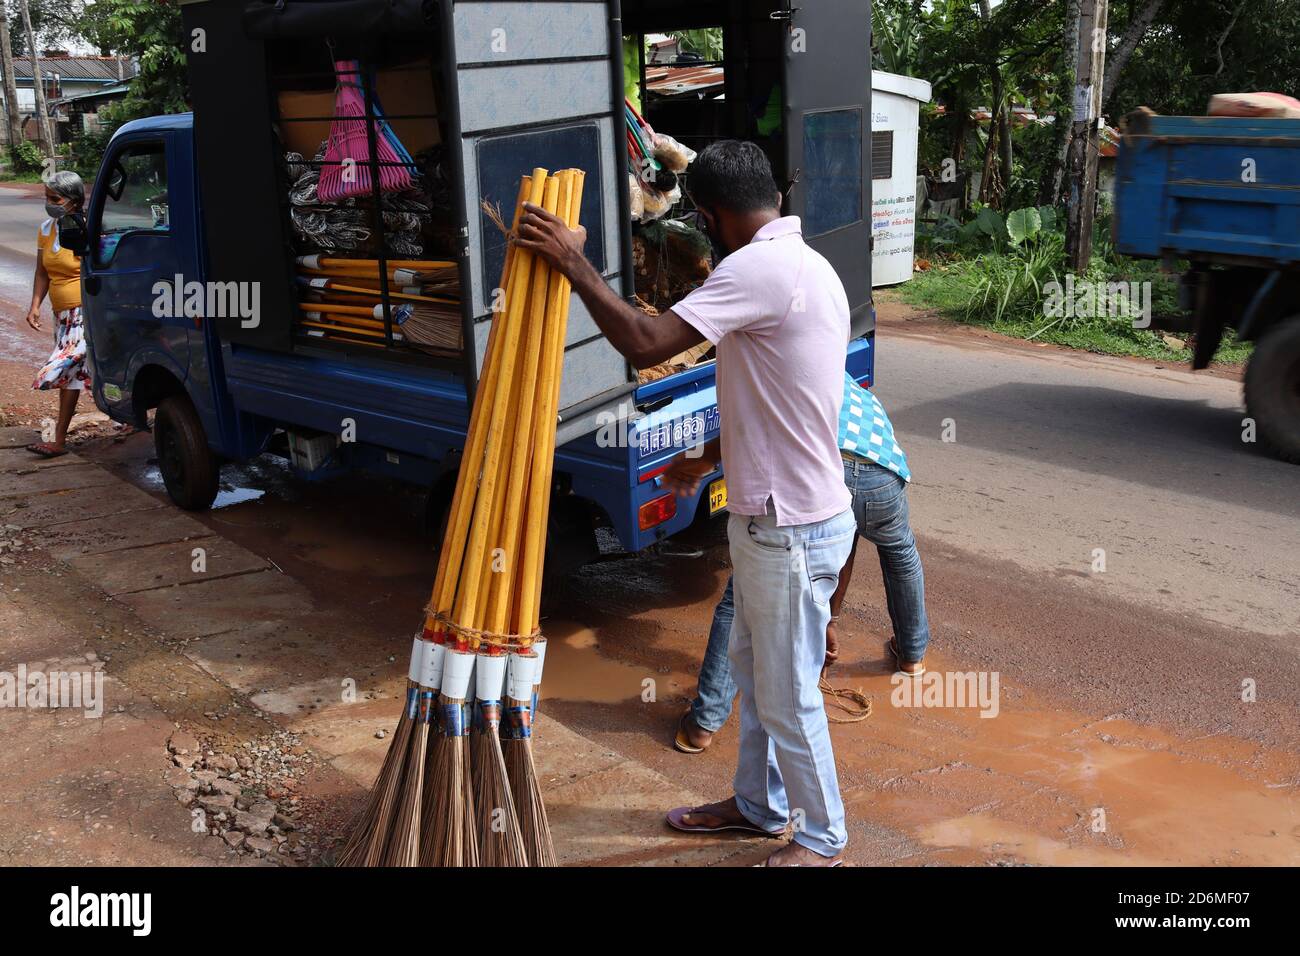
75	67
678	80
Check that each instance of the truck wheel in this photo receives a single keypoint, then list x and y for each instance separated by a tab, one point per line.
1273	389
189	469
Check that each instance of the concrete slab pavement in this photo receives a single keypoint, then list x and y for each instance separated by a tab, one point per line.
229	650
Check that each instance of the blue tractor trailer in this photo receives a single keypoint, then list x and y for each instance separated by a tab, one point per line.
193	239
1222	194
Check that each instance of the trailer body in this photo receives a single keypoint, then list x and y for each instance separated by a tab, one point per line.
1223	194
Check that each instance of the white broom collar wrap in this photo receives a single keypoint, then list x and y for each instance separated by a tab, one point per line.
520	683
489	674
309	262
456	669
434	658
539	648
417	660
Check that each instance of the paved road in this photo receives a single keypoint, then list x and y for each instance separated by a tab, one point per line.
1058	454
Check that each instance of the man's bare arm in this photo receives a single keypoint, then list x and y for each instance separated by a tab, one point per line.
644	340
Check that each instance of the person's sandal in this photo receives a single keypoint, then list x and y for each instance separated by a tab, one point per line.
677	820
906	668
682	741
46	450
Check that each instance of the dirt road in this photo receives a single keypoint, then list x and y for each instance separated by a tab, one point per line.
1121	735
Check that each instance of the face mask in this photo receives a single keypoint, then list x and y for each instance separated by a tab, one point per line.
55	211
718	252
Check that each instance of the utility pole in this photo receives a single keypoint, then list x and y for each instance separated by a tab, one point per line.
10	86
38	82
1085	134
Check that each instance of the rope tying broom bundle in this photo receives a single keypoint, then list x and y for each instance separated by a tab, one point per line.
458	786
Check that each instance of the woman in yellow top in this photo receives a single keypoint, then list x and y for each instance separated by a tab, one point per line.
58	274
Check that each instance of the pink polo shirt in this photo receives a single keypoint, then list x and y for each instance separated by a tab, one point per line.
778	314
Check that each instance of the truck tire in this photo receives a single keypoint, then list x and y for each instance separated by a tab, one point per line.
1273	389
189	469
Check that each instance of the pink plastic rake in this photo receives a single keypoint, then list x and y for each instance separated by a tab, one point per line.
346	170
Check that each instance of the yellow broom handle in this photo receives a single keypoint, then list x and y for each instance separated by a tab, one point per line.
472	567
467	483
358	310
332	286
348	330
427	265
539	494
326	315
557	198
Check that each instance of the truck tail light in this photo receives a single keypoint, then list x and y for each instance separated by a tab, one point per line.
656	511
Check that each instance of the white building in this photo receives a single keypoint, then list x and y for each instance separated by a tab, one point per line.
895	127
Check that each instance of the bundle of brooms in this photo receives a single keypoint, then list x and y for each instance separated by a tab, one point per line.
344	297
458	786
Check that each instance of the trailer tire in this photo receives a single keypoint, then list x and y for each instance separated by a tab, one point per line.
189	469
1273	389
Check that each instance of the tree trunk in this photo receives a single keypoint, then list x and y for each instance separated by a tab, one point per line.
1133	34
38	85
998	129
1004	145
1085	141
10	86
1050	191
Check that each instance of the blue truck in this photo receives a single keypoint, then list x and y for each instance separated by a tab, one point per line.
188	265
1223	194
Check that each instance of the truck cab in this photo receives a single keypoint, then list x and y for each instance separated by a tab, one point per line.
192	270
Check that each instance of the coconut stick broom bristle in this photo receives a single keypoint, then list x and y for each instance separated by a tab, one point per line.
500	841
403	848
450	838
517	732
366	845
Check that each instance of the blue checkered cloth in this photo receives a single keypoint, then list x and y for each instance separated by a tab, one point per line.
865	430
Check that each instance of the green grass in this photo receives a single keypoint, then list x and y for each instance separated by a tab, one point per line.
949	287
32	177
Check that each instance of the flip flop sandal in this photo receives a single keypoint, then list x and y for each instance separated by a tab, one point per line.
46	450
682	740
676	820
898	661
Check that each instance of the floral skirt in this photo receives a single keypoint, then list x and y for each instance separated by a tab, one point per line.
67	365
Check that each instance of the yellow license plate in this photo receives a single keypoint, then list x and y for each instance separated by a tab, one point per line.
717	495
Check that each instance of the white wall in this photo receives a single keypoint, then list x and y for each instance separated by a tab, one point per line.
893	200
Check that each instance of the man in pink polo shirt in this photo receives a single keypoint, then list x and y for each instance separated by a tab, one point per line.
779	317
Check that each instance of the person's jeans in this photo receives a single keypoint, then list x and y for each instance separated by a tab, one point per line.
715	690
782	584
880	509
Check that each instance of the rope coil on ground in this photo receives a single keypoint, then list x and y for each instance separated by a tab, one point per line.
852	702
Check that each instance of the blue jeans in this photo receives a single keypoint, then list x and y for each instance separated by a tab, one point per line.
782	585
880	509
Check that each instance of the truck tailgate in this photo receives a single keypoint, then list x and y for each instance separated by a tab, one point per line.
1209	187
